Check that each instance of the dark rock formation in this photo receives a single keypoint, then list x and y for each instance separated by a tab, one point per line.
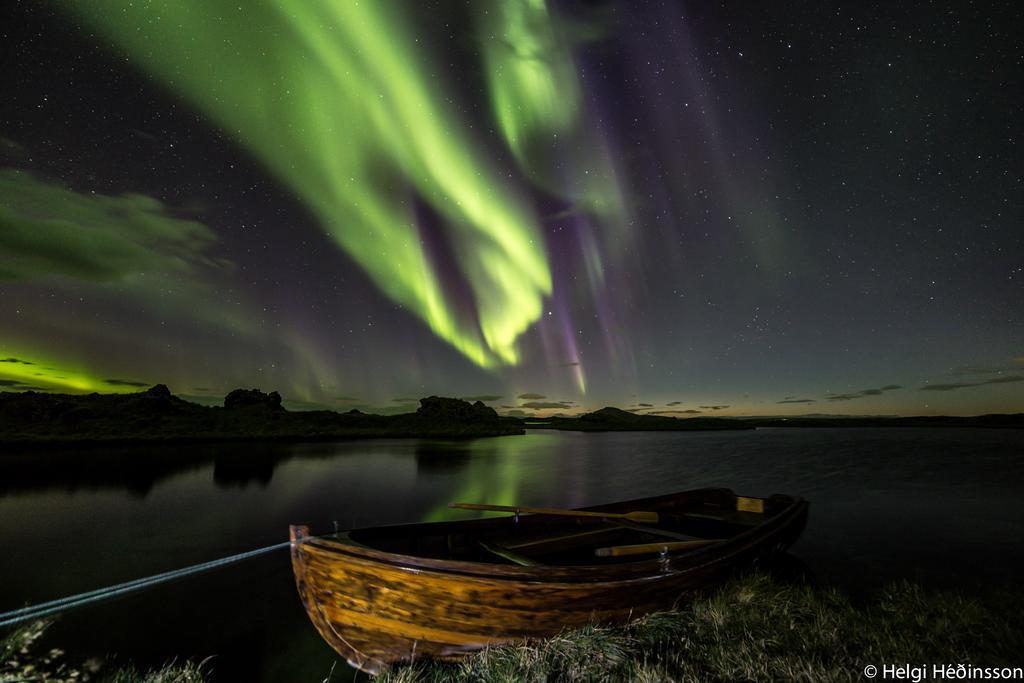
252	398
157	391
157	415
453	409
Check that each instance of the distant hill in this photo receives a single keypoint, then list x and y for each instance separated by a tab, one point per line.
158	415
610	419
1011	420
615	419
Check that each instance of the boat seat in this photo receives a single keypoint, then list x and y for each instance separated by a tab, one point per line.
654	531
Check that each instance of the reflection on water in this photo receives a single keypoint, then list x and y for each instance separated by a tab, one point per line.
492	472
137	469
240	469
934	504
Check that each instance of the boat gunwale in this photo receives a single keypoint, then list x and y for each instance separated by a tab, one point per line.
652	568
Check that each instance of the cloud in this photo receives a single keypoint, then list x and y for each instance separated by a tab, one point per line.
946	387
16	360
486	398
675	403
671	412
569	364
13	150
148	137
975	370
1004	380
691	411
517	413
963	385
531	396
125	383
714	407
797	400
9	143
50	230
145	268
543	405
646	405
1013	366
16	385
864	392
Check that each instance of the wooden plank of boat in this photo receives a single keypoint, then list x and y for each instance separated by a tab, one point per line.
389	594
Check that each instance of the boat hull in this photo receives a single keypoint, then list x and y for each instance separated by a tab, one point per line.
376	608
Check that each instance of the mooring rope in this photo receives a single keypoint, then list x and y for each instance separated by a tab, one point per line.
44	609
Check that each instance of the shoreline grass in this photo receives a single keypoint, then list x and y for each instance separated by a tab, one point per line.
22	662
754	627
758	628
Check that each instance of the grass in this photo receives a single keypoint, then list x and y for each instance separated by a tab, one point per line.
22	662
752	628
756	628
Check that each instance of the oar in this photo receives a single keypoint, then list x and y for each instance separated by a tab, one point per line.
649	548
637	516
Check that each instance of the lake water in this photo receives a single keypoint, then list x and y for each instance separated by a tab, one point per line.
943	506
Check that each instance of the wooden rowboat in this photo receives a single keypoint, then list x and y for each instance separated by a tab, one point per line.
445	589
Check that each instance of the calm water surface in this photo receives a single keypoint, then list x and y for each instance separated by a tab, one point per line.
943	506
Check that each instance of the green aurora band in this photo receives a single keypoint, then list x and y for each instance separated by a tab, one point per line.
536	98
29	372
531	77
341	104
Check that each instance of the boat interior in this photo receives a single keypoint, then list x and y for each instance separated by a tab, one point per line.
686	522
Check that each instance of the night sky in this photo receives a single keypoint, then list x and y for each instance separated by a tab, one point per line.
743	208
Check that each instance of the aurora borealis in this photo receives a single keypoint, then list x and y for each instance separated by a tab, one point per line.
672	207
